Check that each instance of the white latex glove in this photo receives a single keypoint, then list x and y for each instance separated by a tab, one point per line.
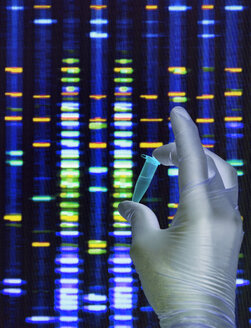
188	271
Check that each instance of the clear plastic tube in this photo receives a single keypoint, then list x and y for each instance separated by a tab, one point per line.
145	177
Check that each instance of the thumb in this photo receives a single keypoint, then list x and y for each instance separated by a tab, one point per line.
141	217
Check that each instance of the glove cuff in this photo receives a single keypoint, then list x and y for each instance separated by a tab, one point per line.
205	318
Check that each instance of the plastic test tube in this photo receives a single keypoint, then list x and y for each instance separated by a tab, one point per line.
145	177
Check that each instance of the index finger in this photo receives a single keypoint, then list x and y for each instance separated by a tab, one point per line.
191	157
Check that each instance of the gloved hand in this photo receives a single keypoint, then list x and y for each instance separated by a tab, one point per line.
188	271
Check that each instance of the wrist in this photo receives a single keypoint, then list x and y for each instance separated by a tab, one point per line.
196	318
207	310
197	305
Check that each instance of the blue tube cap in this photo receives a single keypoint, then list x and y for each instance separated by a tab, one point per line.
145	177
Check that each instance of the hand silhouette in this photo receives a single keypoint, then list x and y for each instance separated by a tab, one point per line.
188	271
